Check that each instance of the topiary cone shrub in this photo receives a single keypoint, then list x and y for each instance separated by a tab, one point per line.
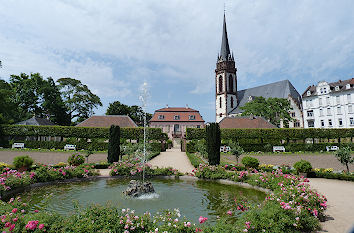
250	162
22	163
114	144
213	141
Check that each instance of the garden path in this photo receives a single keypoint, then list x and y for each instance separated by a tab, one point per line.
173	158
340	211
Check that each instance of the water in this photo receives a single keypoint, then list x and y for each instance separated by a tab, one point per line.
192	198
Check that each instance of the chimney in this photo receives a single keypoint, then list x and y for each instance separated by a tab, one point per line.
166	105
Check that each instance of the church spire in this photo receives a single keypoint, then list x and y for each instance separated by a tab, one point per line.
225	49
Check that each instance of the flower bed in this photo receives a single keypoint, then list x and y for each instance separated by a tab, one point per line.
134	168
11	179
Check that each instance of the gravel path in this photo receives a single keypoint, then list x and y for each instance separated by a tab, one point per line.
173	158
7	156
340	211
317	160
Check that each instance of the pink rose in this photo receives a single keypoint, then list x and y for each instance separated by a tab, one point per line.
41	226
14	210
229	212
202	219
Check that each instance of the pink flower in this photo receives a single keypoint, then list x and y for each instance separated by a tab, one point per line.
7	224
12	227
41	226
229	212
14	210
36	211
202	219
15	219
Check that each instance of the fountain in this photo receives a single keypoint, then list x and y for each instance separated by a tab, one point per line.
137	188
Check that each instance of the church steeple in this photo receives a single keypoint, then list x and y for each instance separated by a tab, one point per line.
225	54
225	79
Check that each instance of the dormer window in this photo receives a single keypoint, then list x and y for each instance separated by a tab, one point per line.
191	117
176	117
161	117
308	93
336	88
347	86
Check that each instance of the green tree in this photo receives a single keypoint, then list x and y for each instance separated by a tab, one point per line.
78	98
114	144
236	149
213	141
274	110
345	157
135	112
8	108
36	96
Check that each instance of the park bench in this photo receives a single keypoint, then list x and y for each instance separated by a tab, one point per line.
332	148
69	147
225	149
18	145
278	149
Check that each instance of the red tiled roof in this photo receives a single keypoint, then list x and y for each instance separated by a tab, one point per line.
107	121
170	113
247	122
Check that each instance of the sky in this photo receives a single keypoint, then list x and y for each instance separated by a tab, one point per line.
114	46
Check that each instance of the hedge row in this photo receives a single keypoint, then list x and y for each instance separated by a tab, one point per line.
279	133
78	132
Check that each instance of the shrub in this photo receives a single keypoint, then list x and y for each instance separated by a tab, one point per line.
23	161
113	146
303	166
213	140
250	162
194	159
76	159
344	156
190	147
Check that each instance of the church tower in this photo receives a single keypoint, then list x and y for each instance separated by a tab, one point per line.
225	79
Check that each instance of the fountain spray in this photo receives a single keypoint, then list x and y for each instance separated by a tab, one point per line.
143	97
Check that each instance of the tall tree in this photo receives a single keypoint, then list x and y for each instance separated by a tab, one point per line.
135	112
78	99
36	96
274	110
8	108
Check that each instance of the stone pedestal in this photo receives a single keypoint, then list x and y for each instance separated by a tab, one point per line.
137	188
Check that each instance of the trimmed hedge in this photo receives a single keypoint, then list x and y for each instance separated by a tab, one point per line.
78	132
279	133
80	145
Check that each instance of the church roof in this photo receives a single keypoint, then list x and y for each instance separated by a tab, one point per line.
281	89
36	121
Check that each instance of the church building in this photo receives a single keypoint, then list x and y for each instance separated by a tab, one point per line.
228	100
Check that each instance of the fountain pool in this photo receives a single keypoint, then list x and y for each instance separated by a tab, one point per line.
193	198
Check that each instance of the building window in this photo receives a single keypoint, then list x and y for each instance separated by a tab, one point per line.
191	117
198	126
349	98
320	101
337	99
176	117
220	104
321	90
176	128
297	124
350	108
321	112
340	122
161	117
339	110
220	83
311	124
328	101
351	121
329	122
310	113
329	111
231	83
308	93
220	114
232	102
347	86
337	88
293	114
322	123
325	90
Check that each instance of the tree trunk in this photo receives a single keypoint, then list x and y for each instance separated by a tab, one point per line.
347	167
